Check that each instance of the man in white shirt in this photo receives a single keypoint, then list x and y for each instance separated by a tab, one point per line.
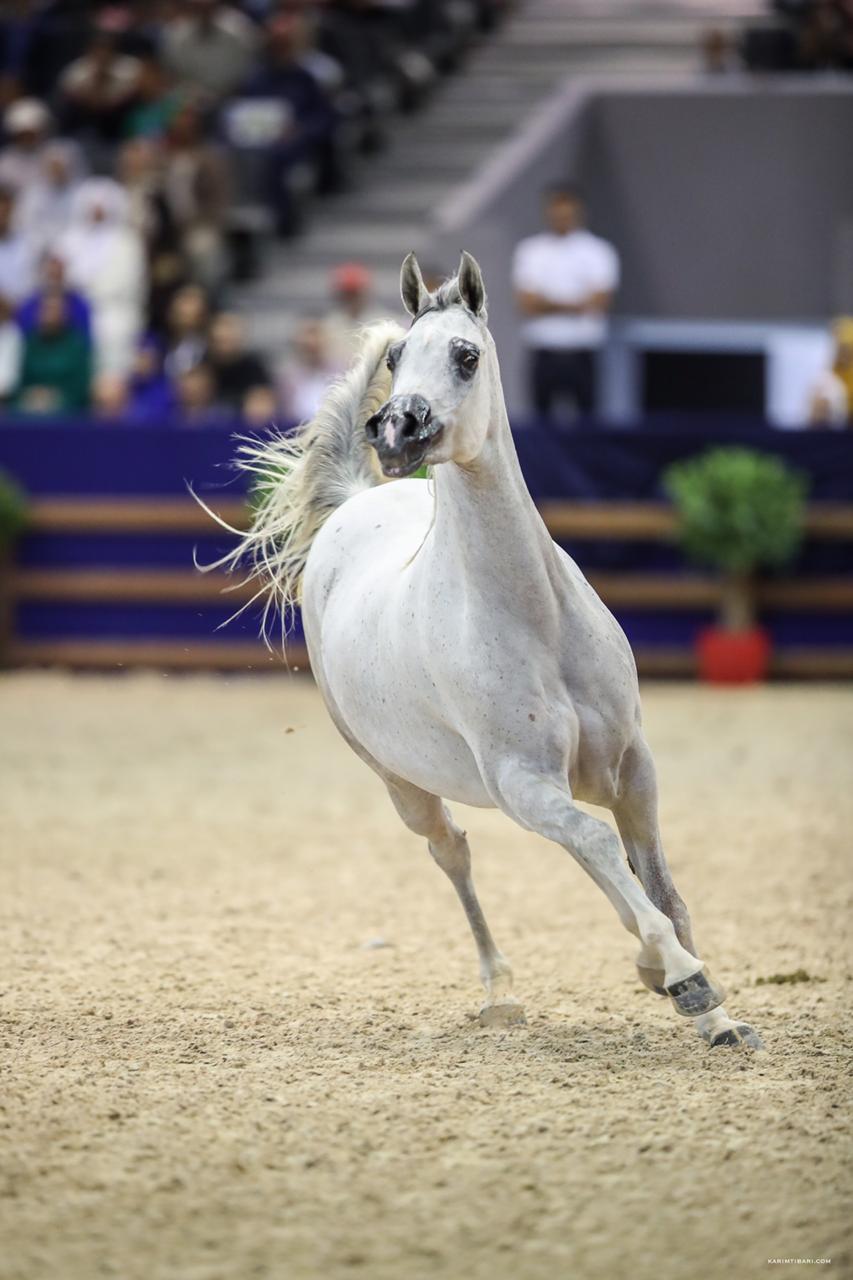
564	281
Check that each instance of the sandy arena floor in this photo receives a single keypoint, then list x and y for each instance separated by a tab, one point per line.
211	1070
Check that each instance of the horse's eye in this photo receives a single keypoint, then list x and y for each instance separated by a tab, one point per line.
392	359
468	359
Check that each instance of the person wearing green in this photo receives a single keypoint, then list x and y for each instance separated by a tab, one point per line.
56	370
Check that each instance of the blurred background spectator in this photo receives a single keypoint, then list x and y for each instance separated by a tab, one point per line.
150	394
11	350
46	199
352	308
110	396
17	260
154	102
308	371
801	35
564	280
26	124
56	368
196	395
52	281
197	190
240	377
209	47
96	90
105	260
186	330
832	400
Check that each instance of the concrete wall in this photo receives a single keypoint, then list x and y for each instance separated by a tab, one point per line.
729	200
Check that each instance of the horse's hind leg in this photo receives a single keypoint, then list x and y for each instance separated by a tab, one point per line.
544	804
636	813
427	816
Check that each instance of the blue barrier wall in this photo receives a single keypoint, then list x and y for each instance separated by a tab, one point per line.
586	464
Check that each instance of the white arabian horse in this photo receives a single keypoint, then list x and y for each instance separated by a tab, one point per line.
460	652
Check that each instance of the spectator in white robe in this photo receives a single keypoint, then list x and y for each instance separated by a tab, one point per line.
105	259
44	208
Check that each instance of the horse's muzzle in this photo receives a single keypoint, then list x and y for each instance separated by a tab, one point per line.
401	432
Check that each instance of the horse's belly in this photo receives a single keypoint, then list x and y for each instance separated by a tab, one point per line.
388	718
429	756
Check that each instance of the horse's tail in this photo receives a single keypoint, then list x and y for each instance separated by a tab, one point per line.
299	479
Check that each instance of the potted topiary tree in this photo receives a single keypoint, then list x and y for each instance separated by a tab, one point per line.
13	517
739	511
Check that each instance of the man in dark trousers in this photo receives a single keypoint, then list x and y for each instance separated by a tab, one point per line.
564	280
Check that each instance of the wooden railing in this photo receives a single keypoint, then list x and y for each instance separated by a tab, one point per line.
638	521
566	521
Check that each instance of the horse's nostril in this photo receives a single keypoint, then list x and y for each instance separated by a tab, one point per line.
410	426
372	427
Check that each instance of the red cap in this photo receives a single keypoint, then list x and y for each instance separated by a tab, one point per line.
349	277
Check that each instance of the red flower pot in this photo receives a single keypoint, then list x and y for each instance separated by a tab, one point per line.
733	657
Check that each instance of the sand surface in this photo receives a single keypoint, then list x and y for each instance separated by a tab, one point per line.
211	1070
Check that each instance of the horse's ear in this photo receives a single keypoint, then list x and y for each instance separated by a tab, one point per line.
470	281
412	288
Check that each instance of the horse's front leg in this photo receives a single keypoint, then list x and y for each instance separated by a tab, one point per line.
544	804
427	816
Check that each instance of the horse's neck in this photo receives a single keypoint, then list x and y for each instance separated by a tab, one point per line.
486	524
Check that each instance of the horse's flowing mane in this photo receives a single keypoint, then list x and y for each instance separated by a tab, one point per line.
300	478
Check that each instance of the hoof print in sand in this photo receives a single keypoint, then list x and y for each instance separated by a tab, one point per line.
503	1015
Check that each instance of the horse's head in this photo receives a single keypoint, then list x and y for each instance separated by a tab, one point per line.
437	410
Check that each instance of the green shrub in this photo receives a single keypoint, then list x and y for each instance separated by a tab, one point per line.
13	509
738	510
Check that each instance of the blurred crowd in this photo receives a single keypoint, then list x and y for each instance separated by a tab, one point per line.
797	35
146	146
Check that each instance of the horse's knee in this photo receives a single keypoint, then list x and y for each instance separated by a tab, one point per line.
537	802
427	816
450	851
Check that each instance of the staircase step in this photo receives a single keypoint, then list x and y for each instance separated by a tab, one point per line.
431	158
491	117
452	128
413	199
483	88
365	241
299	286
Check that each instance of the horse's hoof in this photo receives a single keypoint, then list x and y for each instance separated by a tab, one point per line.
507	1014
740	1036
653	979
696	995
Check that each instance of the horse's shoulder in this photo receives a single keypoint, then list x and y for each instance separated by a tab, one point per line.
384	522
381	507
